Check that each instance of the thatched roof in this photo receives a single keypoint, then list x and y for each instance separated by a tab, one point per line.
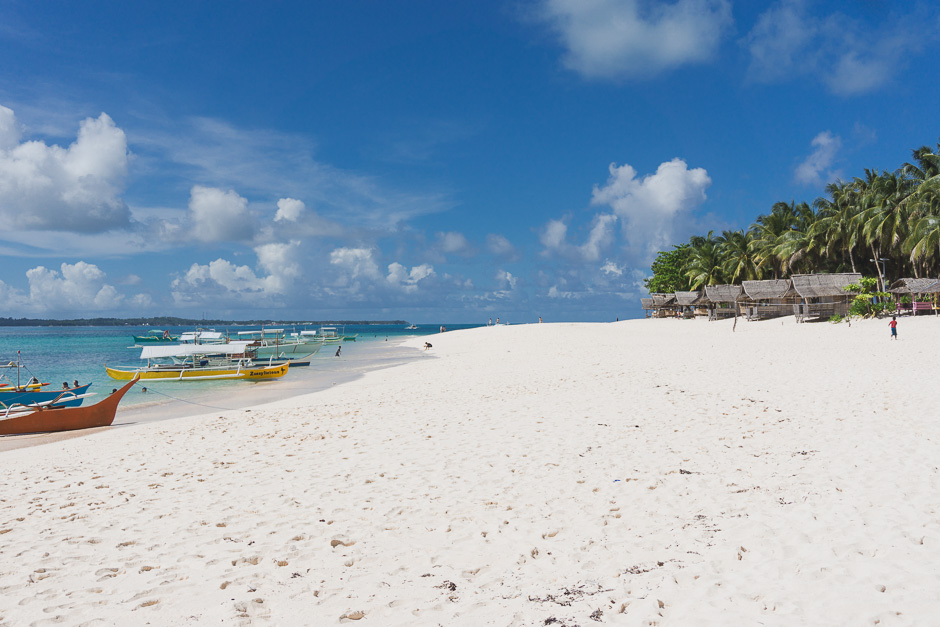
687	299
646	303
915	286
824	285
663	300
771	288
723	293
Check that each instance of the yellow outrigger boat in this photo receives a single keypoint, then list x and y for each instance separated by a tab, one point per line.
198	363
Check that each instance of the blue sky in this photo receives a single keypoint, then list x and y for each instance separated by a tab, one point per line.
429	161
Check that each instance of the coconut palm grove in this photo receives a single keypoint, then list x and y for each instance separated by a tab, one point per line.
883	223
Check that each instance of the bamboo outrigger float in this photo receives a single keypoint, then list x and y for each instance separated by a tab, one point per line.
51	418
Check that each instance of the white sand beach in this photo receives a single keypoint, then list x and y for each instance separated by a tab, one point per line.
647	472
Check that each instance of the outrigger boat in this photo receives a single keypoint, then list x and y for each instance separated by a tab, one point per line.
270	345
32	392
195	362
49	417
155	336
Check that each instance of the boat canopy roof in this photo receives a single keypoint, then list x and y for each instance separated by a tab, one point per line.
263	332
189	336
182	350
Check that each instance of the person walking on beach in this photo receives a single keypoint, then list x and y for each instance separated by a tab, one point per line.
340	348
894	327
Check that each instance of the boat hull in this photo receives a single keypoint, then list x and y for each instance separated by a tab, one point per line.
55	419
253	373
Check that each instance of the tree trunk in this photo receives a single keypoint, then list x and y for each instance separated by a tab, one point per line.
881	278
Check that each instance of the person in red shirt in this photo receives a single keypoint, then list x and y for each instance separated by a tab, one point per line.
894	327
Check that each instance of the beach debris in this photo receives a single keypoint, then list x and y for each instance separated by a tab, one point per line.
356	615
596	615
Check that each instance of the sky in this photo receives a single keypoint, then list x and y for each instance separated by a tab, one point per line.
425	161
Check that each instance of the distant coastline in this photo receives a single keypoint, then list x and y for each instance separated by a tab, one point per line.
169	321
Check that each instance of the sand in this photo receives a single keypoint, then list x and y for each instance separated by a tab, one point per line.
648	472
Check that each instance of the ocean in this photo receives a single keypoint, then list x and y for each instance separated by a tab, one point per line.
67	354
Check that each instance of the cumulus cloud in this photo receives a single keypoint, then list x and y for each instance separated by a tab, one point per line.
814	170
78	188
358	262
651	208
844	54
289	209
636	38
219	215
76	287
400	277
222	277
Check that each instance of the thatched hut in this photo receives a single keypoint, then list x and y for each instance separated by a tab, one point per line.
692	302
772	298
723	300
824	295
647	305
921	292
663	304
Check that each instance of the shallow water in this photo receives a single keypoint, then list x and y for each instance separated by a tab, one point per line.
58	354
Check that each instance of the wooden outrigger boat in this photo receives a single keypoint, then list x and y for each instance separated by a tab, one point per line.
50	418
195	362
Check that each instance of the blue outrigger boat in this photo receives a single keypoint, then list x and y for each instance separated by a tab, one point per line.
32	393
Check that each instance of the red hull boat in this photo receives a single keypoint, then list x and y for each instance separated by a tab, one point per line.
52	419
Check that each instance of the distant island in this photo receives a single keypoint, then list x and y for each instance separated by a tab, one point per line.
170	321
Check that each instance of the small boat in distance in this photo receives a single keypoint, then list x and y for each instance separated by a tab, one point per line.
411	327
53	418
155	335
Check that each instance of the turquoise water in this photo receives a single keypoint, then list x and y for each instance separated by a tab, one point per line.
57	354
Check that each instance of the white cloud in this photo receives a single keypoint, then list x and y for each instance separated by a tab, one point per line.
76	189
454	243
655	207
506	279
357	261
289	209
219	215
636	38
400	277
612	269
553	235
280	261
841	52
600	237
500	246
814	169
75	287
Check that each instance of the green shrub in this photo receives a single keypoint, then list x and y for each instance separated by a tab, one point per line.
836	319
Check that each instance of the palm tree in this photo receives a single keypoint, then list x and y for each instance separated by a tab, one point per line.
705	261
767	232
886	219
740	259
836	228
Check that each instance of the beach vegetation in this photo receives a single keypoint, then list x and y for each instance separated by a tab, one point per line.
836	319
669	271
882	223
868	302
